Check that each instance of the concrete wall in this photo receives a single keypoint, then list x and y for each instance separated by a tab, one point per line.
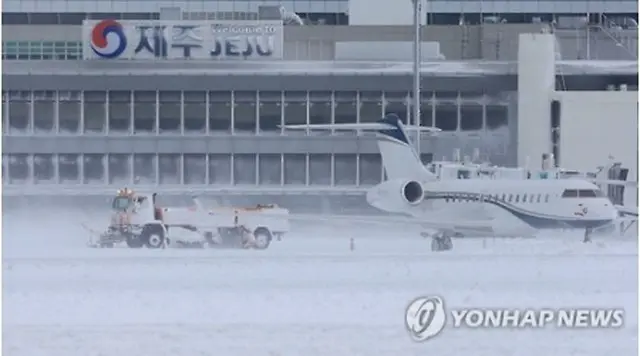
596	125
398	12
593	124
536	83
489	41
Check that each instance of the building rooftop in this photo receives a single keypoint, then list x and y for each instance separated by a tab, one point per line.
196	67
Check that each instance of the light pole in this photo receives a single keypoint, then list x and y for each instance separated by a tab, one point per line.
417	9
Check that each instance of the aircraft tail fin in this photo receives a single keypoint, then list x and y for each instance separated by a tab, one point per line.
399	158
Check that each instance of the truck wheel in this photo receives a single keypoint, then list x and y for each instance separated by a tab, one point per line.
435	244
208	237
134	241
153	236
263	238
447	243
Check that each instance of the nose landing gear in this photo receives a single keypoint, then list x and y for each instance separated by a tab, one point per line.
587	235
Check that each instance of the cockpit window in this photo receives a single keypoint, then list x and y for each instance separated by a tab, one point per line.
121	203
586	193
590	193
582	193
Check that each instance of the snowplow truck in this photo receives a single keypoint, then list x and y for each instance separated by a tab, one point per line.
138	221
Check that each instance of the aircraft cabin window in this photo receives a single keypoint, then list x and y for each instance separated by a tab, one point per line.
510	197
524	198
539	196
546	198
517	198
570	193
504	197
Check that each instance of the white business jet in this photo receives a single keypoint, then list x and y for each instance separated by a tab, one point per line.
504	207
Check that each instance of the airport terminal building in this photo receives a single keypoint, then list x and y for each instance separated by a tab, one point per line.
168	100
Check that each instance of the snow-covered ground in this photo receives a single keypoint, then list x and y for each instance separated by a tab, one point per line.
306	295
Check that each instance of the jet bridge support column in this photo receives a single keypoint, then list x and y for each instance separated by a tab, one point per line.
536	84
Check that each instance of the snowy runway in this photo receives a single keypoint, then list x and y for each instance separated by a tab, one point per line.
306	295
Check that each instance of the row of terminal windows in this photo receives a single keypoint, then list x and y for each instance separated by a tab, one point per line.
560	20
70	18
525	198
201	112
76	18
39	50
216	169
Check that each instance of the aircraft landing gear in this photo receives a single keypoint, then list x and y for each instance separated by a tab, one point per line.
441	241
625	227
587	235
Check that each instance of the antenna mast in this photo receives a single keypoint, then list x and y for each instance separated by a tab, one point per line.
417	9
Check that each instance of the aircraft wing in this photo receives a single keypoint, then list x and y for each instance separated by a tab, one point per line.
364	126
480	227
628	211
615	182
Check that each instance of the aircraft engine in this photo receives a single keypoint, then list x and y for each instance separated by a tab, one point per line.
412	192
395	195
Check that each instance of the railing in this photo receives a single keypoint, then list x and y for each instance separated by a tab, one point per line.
108	189
610	29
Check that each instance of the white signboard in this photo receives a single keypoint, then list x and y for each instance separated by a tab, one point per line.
155	40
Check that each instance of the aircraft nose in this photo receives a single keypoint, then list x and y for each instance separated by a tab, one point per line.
609	210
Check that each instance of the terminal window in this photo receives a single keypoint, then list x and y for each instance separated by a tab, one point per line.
240	112
40	50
